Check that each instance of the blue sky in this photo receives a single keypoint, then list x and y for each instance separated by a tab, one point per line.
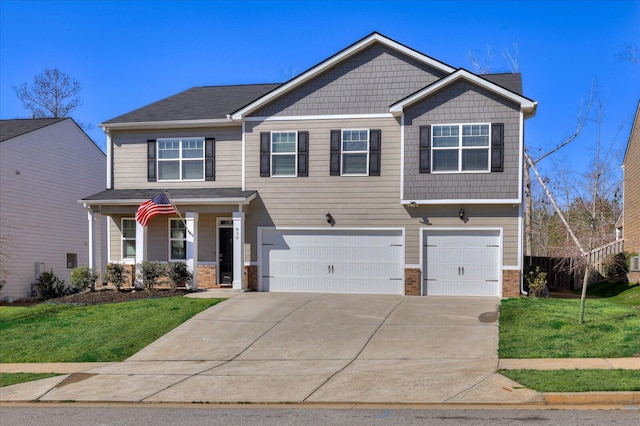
127	54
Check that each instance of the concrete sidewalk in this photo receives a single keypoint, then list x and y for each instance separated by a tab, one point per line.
311	348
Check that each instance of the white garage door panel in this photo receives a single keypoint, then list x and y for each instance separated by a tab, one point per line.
338	261
462	263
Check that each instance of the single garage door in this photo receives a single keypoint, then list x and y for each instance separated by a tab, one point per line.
461	263
332	261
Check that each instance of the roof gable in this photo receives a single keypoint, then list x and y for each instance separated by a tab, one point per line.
526	104
634	136
341	56
10	129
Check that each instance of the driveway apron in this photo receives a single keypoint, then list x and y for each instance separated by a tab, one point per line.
302	347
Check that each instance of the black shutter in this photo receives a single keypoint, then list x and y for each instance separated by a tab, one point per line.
303	154
497	147
209	159
375	149
425	149
151	161
334	163
265	154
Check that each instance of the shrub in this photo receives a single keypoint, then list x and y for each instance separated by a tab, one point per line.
178	274
536	280
116	274
616	264
2	283
51	286
83	278
150	272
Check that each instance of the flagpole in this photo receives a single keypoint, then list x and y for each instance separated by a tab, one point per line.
184	222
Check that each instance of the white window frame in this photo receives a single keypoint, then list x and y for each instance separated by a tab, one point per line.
342	152
294	153
180	159
460	148
172	239
123	239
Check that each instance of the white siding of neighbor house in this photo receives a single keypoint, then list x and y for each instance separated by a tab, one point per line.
43	174
367	201
130	158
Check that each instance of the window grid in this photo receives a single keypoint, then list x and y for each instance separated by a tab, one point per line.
128	242
177	240
284	154
461	148
355	152
181	159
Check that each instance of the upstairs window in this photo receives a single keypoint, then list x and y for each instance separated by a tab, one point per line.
460	148
283	153
355	152
180	159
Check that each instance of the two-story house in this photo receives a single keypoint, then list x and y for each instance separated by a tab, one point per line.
46	164
378	170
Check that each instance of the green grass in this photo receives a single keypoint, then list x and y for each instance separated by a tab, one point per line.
548	328
8	379
108	332
576	380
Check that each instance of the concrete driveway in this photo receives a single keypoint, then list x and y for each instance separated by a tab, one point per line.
299	347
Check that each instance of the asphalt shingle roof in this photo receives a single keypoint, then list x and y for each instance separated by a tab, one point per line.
197	103
510	81
176	194
11	128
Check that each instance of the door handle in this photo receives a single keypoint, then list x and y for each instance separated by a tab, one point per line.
459	270
463	270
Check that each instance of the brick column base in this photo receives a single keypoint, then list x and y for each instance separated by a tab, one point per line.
510	283
207	276
412	281
251	277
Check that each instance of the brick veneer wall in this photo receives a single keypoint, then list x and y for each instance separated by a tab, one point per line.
207	276
510	283
251	277
412	281
633	277
130	275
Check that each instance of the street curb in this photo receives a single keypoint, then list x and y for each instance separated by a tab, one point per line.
583	398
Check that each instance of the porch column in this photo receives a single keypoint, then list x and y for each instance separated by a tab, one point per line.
191	220
95	241
238	250
141	251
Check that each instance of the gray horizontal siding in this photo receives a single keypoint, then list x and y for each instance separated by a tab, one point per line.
462	103
354	201
130	158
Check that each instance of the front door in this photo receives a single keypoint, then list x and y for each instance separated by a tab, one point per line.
225	256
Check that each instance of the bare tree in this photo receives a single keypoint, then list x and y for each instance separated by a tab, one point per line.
52	94
630	53
583	114
511	57
481	66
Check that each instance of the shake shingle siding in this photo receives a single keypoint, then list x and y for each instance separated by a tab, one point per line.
365	84
462	103
631	226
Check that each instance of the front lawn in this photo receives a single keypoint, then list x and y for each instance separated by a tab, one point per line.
548	328
8	379
107	332
577	380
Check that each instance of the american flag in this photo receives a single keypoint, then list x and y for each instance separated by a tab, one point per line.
160	204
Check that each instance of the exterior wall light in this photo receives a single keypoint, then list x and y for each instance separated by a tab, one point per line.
329	218
461	213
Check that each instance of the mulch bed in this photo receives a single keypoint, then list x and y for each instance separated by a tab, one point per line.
104	296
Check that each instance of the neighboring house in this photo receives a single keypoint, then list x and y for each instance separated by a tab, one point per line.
379	170
631	185
45	166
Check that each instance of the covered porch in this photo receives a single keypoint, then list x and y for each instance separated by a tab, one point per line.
207	232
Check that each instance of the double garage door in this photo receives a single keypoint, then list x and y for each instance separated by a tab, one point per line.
461	263
332	261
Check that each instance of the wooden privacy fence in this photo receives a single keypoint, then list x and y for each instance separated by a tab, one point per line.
598	256
558	269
